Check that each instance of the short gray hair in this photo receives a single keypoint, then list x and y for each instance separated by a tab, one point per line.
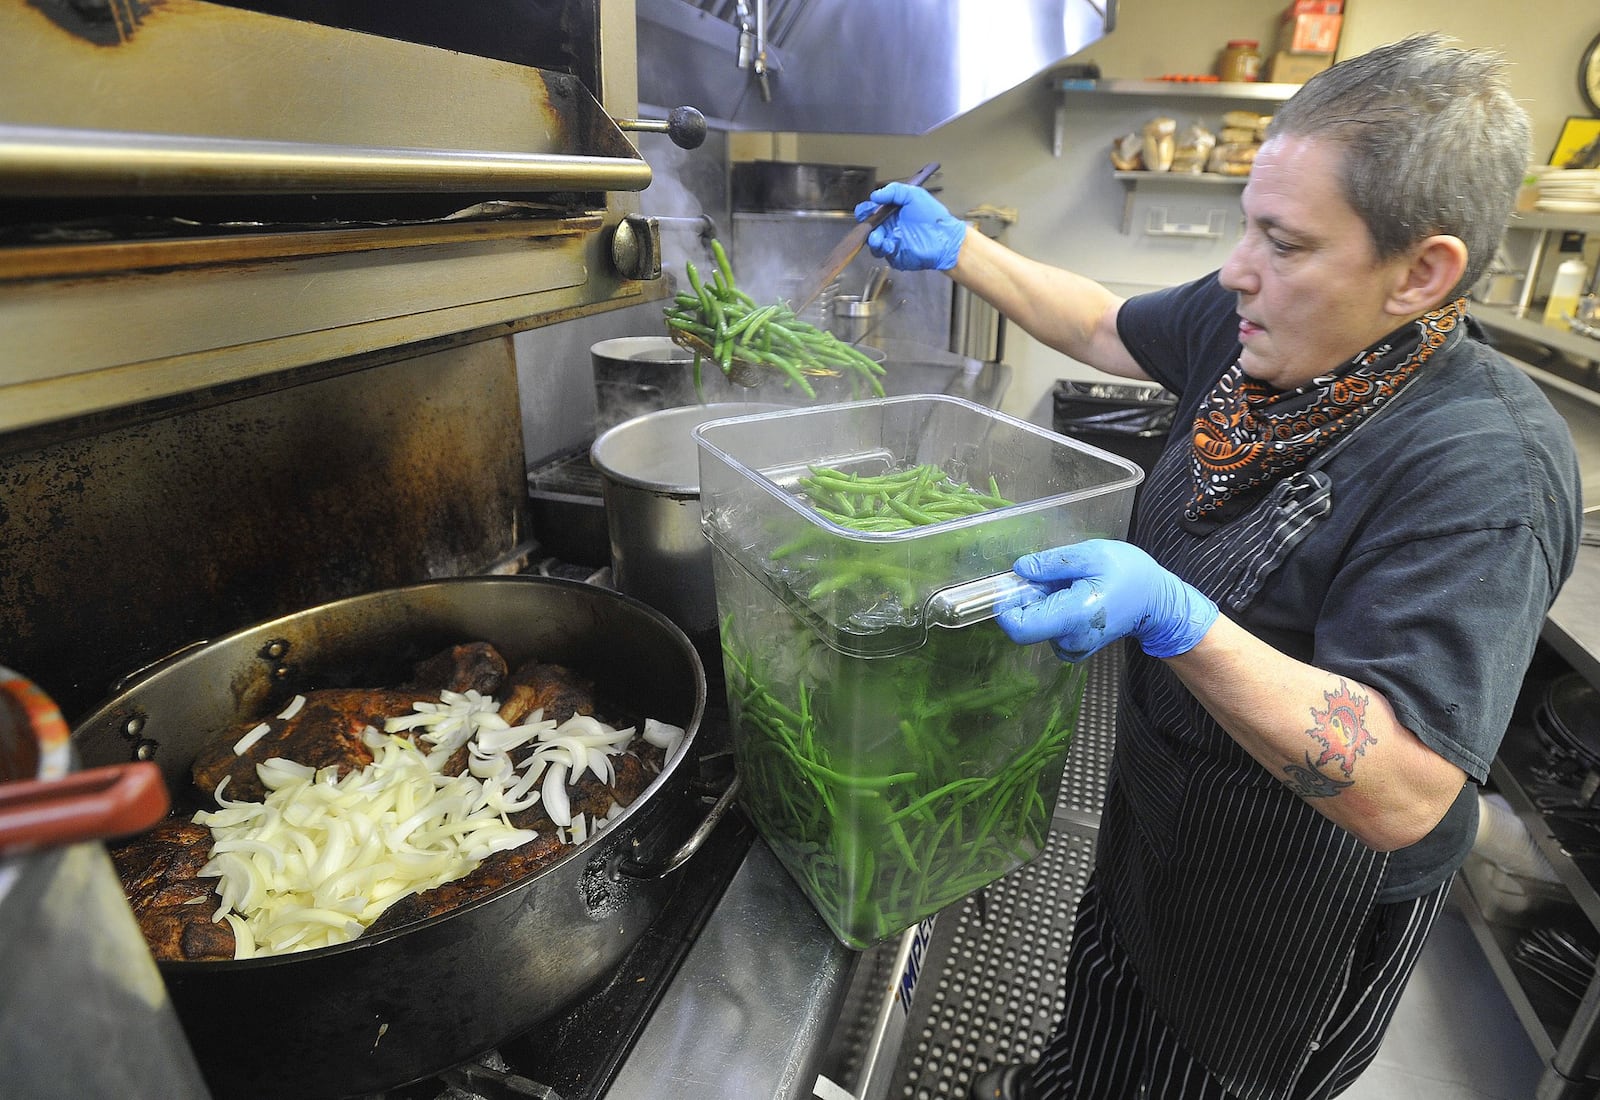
1434	142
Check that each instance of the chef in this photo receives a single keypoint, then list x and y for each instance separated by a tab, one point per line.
1335	579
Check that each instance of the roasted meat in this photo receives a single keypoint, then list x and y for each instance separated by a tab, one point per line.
326	731
493	873
159	870
475	666
174	907
557	691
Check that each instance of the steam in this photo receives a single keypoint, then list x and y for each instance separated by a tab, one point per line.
770	255
686	229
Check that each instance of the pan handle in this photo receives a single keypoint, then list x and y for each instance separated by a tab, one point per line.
90	805
155	666
633	866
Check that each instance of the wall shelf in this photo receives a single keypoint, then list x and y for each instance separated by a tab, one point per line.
1181	179
1514	321
1199	89
1524	321
1215	225
1538	219
1072	93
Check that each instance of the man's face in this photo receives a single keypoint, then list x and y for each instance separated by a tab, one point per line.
1312	293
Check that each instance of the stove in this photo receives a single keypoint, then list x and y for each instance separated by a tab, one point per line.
576	1054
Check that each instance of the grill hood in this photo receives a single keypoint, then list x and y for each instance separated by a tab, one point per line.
844	66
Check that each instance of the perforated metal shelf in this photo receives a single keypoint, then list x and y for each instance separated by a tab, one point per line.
1083	781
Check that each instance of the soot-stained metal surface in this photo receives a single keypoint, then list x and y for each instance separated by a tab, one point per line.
117	549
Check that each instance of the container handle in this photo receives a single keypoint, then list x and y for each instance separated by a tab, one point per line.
634	867
977	600
97	804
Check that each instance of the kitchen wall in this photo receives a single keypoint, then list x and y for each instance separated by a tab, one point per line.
1070	210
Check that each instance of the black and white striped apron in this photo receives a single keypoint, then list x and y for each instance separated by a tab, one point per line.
1238	904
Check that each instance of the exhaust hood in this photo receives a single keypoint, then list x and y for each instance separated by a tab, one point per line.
848	66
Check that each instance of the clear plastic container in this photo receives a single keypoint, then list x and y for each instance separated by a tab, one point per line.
897	751
1563	301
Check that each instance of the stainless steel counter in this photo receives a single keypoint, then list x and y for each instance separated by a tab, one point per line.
1573	625
749	1014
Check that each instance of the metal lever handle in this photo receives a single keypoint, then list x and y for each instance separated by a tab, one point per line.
684	125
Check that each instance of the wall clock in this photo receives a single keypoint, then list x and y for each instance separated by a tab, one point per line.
1589	75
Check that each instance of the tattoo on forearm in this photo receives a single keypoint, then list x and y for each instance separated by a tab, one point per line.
1307	782
1341	730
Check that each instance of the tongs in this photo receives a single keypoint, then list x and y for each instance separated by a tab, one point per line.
749	362
846	250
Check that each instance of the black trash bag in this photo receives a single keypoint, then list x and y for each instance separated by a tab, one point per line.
1128	420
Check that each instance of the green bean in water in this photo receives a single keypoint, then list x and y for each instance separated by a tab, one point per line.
893	787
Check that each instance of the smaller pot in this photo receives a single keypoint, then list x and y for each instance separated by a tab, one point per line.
650	474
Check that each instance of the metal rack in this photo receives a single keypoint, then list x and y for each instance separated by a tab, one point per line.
1521	320
1566	1036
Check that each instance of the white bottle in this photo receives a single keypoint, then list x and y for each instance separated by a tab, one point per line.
1564	293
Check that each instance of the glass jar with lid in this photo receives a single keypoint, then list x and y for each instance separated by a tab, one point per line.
1240	61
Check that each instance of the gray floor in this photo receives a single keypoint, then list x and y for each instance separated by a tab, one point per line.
1454	1035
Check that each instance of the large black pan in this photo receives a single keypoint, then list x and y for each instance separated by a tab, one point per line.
375	1014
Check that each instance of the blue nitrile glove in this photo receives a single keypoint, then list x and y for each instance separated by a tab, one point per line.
919	236
1102	590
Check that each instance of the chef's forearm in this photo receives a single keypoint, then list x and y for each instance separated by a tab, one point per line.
1334	742
1074	315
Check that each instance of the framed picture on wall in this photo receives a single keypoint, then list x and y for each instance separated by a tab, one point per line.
1579	144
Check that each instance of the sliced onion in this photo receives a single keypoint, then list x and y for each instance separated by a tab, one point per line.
663	735
242	746
244	943
556	803
324	854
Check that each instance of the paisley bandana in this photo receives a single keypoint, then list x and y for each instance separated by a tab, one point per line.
1248	434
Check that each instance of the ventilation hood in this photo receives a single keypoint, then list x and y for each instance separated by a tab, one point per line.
852	66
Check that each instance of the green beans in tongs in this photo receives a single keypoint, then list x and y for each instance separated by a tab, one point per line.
750	343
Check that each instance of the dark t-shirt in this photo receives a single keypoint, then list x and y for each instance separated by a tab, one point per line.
1455	520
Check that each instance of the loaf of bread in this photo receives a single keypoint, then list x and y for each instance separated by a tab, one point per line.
1193	152
1160	144
1127	153
1232	158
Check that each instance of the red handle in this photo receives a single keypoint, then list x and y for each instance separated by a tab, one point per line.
66	808
90	805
